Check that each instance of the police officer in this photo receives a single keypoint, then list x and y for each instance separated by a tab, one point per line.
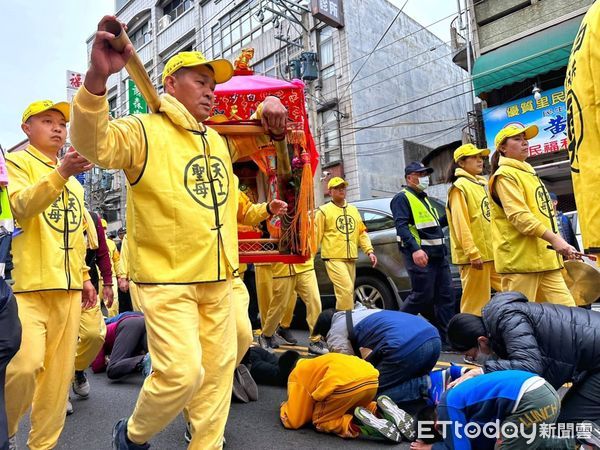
421	241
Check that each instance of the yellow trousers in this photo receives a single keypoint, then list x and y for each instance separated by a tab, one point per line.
191	339
540	286
114	309
92	331
306	286
39	376
264	289
477	287
243	326
342	273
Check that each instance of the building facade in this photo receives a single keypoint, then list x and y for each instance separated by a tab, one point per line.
377	98
519	53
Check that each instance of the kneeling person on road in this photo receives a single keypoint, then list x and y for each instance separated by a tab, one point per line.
404	348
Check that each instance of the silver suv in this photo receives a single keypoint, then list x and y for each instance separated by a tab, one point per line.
386	285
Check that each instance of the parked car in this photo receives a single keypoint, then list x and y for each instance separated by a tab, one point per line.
388	284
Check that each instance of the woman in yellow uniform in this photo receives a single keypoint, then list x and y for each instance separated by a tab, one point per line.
527	245
468	213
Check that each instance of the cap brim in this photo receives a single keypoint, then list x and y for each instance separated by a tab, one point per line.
343	183
531	131
64	108
427	170
222	69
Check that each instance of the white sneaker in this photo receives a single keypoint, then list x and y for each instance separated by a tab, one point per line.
69	407
81	386
317	348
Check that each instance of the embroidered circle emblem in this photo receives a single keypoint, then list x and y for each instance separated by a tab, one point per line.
345	224
543	202
209	186
485	208
64	215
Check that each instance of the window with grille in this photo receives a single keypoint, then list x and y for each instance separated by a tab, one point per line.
176	8
329	136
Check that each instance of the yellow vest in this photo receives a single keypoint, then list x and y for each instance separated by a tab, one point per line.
515	252
582	91
341	231
49	252
181	211
281	270
475	192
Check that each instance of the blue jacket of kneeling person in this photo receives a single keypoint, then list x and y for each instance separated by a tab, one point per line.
391	335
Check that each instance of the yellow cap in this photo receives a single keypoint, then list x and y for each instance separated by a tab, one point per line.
104	223
222	68
45	105
335	182
469	150
513	130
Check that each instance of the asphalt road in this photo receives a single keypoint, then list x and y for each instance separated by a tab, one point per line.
252	426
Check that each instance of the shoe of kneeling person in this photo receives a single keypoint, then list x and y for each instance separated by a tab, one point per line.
238	393
267	342
12	443
69	407
317	348
403	421
286	336
247	382
81	385
146	365
120	440
372	427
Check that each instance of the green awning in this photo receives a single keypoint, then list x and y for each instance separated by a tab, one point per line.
533	55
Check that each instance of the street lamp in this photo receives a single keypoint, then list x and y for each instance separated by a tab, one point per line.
537	92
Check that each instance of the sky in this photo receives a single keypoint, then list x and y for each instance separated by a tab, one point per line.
40	40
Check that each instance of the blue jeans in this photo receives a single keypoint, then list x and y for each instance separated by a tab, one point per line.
407	379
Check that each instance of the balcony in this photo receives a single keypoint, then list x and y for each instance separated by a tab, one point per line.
458	43
145	53
176	30
129	9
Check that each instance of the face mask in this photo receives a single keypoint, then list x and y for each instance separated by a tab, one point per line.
423	183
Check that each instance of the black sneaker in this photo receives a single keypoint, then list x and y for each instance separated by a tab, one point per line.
188	433
286	336
317	348
120	440
588	433
267	342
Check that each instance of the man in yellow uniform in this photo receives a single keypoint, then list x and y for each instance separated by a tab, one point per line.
115	257
249	214
181	220
289	281
583	126
51	278
340	231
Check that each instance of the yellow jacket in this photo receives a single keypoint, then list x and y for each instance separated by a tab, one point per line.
50	251
469	219
340	231
521	213
182	200
123	268
315	380
115	258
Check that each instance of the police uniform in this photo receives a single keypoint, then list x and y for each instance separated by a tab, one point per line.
521	213
419	227
469	219
582	98
49	272
340	231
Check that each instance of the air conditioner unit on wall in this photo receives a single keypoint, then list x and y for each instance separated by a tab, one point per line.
164	22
